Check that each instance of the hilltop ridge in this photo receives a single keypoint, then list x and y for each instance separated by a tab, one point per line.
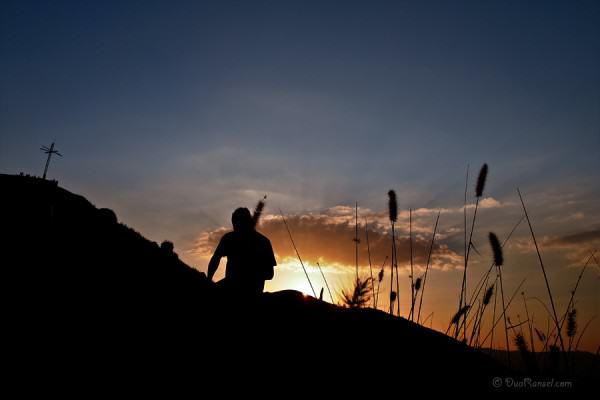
88	290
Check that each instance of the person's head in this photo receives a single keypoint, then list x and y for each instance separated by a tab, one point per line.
241	220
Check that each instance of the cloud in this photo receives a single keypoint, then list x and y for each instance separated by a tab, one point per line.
573	240
486	202
570	218
490	202
328	238
576	246
422	218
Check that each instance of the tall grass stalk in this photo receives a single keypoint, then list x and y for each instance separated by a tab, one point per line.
465	236
379	279
503	311
486	301
526	355
427	265
517	325
480	285
356	237
548	319
562	344
460	302
456	318
571	327
549	331
571	300
359	296
591	319
258	211
530	322
369	256
499	260
478	193
416	289
426	318
479	315
583	331
541	337
494	313
397	278
393	214
297	253
482	281
474	330
412	279
326	284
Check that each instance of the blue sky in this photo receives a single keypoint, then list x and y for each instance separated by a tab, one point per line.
173	113
369	92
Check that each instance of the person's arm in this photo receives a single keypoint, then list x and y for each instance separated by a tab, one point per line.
268	261
271	257
214	261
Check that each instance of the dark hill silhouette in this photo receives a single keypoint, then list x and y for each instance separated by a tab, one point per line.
92	299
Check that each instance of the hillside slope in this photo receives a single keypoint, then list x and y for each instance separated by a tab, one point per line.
91	292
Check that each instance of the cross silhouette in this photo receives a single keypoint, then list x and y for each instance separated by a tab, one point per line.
49	151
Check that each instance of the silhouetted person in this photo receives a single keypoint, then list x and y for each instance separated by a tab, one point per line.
250	258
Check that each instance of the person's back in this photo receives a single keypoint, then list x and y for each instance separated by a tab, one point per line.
250	258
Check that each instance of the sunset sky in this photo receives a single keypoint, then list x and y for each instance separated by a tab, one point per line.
174	113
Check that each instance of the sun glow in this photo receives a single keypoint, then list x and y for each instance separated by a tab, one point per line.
289	275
